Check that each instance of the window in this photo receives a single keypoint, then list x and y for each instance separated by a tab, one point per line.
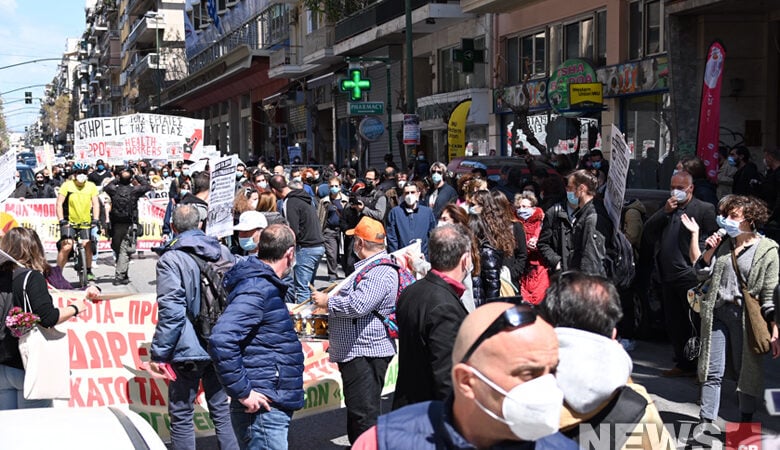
451	77
314	21
526	55
645	28
601	42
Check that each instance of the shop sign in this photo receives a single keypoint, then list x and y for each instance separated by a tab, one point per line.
569	72
514	95
371	128
366	108
411	129
585	95
635	77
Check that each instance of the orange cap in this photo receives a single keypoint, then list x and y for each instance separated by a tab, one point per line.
369	229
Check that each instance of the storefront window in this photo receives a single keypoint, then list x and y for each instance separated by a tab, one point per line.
644	125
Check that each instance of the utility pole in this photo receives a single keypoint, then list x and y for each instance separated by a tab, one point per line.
411	105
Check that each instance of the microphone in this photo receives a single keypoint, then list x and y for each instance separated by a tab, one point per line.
721	233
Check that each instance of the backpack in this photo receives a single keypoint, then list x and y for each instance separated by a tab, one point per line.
619	261
213	295
124	205
405	279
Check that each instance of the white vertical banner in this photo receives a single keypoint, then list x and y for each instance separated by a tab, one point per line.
616	180
7	172
222	192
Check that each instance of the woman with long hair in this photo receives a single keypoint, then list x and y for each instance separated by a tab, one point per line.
267	202
454	214
517	263
725	314
25	247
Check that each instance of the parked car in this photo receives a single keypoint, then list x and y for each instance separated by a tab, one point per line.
27	158
26	173
492	165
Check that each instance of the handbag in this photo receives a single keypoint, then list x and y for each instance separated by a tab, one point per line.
692	347
45	358
758	335
697	294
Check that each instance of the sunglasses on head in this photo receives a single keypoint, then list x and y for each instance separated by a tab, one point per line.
514	317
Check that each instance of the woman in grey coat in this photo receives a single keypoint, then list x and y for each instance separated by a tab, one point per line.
722	320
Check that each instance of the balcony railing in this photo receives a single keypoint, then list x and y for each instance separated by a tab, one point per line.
319	39
373	15
283	57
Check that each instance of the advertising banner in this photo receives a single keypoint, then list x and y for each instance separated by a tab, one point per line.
709	113
41	216
411	134
456	129
222	192
136	136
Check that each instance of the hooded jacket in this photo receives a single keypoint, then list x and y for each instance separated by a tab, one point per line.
302	218
178	296
591	371
253	344
555	238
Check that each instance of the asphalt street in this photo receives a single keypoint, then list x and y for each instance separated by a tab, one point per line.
676	398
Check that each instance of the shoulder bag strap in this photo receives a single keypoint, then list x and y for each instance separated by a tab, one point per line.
27	306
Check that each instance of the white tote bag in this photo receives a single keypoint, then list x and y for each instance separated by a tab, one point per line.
46	361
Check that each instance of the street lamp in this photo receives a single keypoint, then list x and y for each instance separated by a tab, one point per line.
156	16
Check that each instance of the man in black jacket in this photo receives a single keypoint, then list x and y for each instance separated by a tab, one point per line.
555	239
675	268
429	314
124	219
591	228
302	217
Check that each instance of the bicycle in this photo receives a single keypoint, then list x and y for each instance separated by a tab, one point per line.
81	234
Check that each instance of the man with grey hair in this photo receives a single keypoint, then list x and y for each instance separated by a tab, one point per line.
176	341
429	313
440	192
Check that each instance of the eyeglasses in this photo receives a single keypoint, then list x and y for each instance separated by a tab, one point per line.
514	317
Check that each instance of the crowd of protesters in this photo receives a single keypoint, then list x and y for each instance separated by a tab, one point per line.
539	235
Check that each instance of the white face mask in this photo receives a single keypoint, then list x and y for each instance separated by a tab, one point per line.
410	199
253	204
441	223
532	410
401	184
289	270
679	195
81	178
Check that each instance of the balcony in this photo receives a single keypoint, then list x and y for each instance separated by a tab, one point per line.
383	23
494	6
136	7
144	32
148	62
286	63
318	46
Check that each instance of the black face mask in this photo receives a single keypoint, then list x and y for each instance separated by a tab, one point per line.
124	180
39	181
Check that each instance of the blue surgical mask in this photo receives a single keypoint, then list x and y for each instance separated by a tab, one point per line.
679	194
186	172
571	196
732	227
101	167
436	178
165	174
247	243
732	161
597	164
721	221
335	190
183	192
525	213
176	173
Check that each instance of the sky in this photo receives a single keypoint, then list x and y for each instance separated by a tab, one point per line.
33	29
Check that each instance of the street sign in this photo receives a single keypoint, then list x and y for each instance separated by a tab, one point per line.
366	108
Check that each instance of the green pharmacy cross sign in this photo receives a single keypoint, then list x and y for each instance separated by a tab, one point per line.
467	55
355	84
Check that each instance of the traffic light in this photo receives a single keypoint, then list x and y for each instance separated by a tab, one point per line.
28	98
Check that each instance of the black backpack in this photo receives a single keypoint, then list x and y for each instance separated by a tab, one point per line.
619	261
213	295
124	205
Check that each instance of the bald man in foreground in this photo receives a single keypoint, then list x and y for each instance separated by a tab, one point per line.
505	394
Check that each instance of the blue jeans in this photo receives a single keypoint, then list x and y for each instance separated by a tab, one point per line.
726	332
12	390
181	405
307	260
265	430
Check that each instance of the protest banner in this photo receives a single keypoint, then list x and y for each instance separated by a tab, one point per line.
616	181
136	136
7	171
41	216
222	192
109	348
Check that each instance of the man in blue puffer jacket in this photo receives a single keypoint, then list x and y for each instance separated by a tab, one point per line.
254	346
175	340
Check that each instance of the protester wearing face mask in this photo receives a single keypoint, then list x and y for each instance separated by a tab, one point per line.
21	190
83	214
673	261
330	212
747	177
440	193
100	173
41	188
534	281
429	313
726	315
250	225
591	227
246	199
409	221
494	402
